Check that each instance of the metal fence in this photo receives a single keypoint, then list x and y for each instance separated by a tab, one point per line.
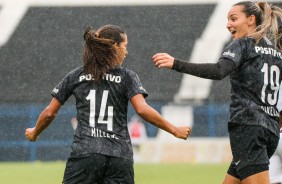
54	143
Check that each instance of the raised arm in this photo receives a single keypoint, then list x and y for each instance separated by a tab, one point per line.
44	120
152	116
215	71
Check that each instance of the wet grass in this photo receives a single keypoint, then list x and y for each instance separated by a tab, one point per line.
52	173
180	173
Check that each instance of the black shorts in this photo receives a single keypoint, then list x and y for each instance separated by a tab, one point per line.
98	169
251	146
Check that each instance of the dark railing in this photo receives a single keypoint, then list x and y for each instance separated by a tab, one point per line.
14	119
54	143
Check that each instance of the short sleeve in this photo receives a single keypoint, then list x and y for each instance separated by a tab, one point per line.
134	86
234	52
63	90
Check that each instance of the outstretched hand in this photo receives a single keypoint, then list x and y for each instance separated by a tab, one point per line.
29	134
183	132
163	60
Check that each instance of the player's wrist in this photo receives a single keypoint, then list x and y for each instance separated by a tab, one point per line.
174	63
174	131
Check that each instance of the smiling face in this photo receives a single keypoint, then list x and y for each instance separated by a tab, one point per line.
238	23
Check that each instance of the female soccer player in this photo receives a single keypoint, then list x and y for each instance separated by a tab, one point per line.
254	65
101	149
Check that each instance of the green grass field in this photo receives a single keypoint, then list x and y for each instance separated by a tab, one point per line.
52	173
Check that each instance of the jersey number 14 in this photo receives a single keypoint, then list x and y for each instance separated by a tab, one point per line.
109	121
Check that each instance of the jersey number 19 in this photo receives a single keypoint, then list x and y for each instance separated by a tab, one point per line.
273	78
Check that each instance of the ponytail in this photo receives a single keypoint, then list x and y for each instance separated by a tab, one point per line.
269	26
267	17
99	53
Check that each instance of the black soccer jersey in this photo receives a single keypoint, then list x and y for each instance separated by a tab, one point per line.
101	110
255	82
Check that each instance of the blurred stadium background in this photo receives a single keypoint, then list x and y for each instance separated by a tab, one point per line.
41	41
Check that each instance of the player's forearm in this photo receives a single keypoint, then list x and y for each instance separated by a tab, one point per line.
44	120
215	71
152	116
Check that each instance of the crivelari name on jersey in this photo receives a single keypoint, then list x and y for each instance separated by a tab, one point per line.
270	110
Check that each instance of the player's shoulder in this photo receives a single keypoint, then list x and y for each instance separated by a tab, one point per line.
75	72
251	42
124	71
243	41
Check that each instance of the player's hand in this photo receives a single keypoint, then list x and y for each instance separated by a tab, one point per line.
163	60
29	134
183	132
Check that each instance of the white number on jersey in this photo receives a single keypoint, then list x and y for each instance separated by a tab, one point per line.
109	122
274	83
